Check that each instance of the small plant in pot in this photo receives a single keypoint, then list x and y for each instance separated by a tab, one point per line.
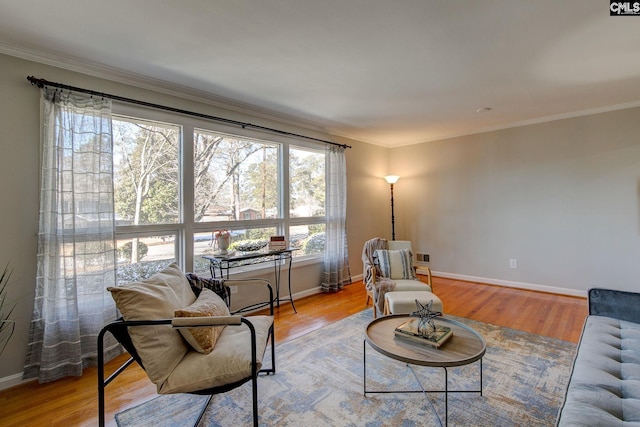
7	325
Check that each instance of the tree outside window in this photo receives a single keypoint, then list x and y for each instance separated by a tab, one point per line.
238	185
146	187
235	179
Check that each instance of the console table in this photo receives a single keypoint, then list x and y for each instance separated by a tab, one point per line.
220	264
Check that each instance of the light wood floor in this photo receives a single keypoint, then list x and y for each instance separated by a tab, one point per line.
73	401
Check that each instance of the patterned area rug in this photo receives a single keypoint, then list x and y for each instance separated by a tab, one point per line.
319	382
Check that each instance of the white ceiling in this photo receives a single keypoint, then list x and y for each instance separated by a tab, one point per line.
388	72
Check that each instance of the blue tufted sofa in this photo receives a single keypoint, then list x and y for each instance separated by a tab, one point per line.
604	388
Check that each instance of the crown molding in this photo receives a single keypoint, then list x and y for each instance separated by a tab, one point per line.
161	86
564	116
522	123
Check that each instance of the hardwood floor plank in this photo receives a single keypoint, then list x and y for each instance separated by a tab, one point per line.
73	401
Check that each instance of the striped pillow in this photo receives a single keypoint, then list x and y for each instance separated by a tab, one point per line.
395	264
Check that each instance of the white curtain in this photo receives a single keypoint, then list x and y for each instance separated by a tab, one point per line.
76	239
336	255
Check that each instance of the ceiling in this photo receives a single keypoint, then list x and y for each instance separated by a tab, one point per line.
386	72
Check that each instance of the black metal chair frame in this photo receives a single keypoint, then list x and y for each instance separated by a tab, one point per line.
119	330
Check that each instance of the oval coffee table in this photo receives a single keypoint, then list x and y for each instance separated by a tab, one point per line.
464	347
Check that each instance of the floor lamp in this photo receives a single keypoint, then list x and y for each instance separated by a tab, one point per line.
392	179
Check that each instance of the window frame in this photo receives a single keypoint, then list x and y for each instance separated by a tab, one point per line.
186	228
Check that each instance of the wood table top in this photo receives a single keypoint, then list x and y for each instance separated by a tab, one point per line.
464	347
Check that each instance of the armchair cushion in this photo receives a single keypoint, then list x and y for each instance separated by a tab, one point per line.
230	360
396	264
156	298
208	303
403	285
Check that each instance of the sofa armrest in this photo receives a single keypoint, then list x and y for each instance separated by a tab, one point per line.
617	304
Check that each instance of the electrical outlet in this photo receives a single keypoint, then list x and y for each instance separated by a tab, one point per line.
234	289
513	263
422	257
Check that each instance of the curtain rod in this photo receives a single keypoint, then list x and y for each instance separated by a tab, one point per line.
42	83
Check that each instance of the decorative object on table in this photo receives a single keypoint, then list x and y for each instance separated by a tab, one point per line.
424	329
424	313
251	246
222	240
392	179
434	337
277	243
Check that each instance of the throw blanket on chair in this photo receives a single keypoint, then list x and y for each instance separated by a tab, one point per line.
381	287
216	285
378	286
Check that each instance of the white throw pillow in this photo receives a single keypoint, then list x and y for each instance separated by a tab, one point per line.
396	264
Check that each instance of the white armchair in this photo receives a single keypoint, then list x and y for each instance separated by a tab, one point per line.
388	266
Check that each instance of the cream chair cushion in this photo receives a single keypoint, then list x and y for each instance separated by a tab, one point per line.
229	361
405	302
411	285
156	298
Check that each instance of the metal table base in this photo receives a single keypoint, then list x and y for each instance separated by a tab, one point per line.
422	390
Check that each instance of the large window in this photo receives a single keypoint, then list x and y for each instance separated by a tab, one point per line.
177	183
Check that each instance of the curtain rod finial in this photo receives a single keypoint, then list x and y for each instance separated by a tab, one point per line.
36	82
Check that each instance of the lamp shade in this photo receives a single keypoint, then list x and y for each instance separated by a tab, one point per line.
392	179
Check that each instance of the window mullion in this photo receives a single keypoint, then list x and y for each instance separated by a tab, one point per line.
187	199
284	189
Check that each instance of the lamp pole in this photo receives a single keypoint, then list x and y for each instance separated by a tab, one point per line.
392	179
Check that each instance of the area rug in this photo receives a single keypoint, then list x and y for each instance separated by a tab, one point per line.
319	382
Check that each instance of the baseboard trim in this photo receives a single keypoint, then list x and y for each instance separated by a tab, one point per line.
512	284
13	380
500	282
357	278
306	293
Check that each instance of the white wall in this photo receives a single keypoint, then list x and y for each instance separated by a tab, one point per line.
19	110
560	197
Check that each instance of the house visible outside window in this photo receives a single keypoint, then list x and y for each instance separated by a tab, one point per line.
177	183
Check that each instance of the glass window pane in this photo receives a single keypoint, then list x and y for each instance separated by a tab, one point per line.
235	179
204	244
307	183
146	172
250	237
141	257
307	239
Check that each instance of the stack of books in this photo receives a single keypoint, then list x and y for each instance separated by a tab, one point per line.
277	243
409	331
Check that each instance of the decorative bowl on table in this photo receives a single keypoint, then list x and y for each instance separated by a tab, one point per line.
251	246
